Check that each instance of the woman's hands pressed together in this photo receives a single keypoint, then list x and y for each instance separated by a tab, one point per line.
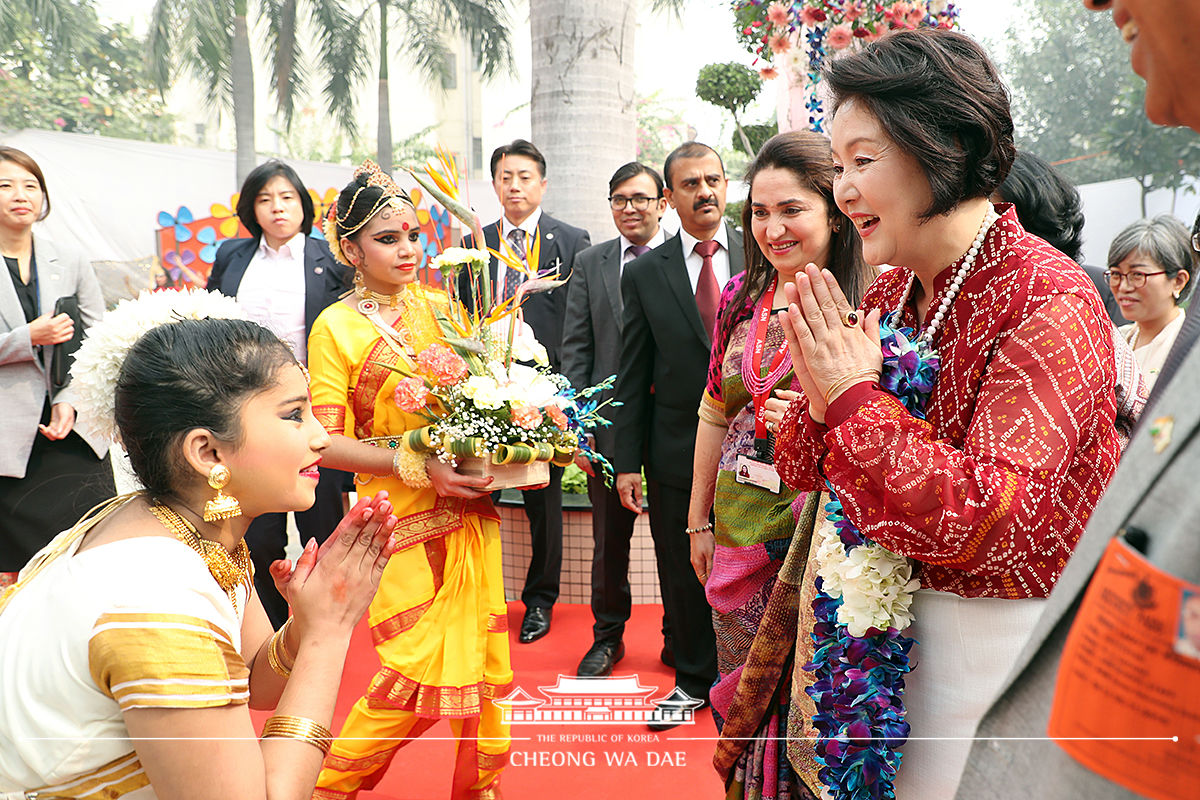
332	586
832	346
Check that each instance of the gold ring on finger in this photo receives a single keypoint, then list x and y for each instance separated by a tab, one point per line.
850	319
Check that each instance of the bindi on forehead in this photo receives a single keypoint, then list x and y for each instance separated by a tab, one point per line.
404	226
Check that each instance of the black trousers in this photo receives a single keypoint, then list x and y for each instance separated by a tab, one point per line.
267	539
63	480
688	614
543	507
612	530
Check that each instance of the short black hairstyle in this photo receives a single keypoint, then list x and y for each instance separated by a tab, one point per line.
254	184
688	150
519	147
1047	204
940	99
632	170
190	374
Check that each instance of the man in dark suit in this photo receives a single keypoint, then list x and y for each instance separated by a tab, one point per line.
670	297
591	353
519	178
284	279
1104	640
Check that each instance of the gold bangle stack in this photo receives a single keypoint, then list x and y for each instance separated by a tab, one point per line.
277	649
848	380
283	726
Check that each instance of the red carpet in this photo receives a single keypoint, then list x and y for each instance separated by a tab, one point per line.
564	759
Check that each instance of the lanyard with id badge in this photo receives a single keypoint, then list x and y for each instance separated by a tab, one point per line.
759	469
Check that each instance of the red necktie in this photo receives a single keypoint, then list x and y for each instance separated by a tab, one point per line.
708	291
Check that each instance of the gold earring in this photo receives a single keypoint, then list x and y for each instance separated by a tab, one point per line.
359	280
222	506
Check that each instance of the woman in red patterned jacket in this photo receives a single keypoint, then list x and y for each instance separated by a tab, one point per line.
967	467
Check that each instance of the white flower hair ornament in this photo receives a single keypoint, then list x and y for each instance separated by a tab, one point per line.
99	358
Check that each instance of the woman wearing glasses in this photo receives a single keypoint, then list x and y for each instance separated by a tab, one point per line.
1150	265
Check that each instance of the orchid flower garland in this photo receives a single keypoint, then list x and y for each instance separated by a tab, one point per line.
864	593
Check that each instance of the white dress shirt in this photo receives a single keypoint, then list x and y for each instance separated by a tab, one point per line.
273	291
695	262
658	238
529	227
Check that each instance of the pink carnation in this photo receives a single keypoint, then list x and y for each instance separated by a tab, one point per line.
411	394
777	14
811	16
768	73
442	364
528	417
779	43
840	36
853	11
915	15
557	416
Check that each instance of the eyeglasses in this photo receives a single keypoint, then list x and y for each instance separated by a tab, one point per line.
639	202
1196	242
1136	279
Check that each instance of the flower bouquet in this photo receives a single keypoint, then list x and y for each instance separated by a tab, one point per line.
482	379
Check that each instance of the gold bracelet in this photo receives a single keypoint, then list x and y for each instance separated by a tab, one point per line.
848	379
277	649
283	726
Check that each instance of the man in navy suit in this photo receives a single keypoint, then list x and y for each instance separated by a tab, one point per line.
519	179
592	353
284	280
670	297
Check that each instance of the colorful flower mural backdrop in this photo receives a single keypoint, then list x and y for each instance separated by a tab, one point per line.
794	38
187	245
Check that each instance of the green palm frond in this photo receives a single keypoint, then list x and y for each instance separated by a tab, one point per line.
207	48
289	76
59	20
343	58
424	40
486	25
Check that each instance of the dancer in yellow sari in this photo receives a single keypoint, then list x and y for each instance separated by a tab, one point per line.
438	620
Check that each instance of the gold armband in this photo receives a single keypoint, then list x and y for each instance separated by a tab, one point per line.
277	649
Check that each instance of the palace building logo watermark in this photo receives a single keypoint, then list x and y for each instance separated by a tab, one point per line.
613	700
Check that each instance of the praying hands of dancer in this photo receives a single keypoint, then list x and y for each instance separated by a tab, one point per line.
833	347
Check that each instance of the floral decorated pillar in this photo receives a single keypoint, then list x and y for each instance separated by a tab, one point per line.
792	40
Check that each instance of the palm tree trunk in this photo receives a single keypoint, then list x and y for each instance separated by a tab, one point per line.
242	76
582	102
384	155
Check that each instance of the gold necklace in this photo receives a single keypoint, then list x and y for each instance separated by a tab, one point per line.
229	571
368	301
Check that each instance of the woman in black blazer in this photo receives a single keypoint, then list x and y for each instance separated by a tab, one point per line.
51	470
284	279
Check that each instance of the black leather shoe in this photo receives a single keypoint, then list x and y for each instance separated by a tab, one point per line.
601	659
667	657
535	625
667	724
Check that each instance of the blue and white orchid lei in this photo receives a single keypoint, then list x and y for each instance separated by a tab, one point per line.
864	593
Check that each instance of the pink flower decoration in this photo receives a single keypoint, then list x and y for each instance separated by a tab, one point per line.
528	417
557	416
85	102
862	33
60	122
777	14
768	73
411	394
812	16
442	364
779	43
853	11
840	36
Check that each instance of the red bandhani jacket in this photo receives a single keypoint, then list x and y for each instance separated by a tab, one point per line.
992	492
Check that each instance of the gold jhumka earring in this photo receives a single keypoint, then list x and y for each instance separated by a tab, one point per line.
222	506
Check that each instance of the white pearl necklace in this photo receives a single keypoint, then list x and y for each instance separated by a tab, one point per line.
943	308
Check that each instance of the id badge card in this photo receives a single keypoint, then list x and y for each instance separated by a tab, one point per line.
753	472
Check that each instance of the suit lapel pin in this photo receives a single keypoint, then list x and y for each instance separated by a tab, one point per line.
318	270
1160	433
549	236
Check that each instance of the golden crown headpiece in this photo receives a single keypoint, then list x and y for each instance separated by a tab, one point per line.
391	194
